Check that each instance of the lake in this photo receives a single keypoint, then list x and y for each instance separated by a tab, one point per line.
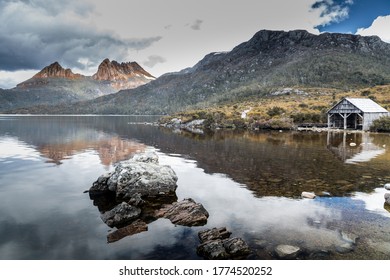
249	182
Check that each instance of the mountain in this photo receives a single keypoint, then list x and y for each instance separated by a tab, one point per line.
122	76
269	61
55	85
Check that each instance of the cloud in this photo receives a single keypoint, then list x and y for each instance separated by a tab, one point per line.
331	11
35	33
379	27
196	25
153	60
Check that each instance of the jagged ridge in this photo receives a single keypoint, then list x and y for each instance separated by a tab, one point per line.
268	61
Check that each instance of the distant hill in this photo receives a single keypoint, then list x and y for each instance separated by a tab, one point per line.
55	85
269	61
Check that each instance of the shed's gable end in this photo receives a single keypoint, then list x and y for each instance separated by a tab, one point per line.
344	107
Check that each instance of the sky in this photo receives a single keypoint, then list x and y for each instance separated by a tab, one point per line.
161	35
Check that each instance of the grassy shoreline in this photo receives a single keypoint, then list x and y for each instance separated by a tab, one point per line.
284	109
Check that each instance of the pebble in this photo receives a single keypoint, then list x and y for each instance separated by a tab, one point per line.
308	195
387	186
287	251
344	248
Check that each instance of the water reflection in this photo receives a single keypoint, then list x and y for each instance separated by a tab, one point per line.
353	147
68	136
248	182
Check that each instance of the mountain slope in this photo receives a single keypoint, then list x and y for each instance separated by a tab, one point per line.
267	62
55	85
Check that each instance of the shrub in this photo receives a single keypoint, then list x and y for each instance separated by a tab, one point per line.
381	125
275	111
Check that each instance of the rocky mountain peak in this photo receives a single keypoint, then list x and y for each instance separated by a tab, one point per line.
55	70
114	71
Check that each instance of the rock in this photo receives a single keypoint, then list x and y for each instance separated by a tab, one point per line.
387	186
144	177
236	247
261	243
325	194
349	237
231	248
136	200
213	250
387	198
140	176
186	212
100	186
216	245
213	234
345	247
134	228
120	215
319	255
352	144
287	251
309	195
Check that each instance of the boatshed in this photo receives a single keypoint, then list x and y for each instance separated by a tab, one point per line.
355	113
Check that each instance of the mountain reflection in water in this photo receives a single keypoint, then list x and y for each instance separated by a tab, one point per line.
249	182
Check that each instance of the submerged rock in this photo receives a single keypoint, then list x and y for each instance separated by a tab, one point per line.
287	251
134	228
236	247
349	237
120	215
216	245
213	234
186	212
345	247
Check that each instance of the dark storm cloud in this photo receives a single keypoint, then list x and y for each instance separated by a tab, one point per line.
153	60
36	33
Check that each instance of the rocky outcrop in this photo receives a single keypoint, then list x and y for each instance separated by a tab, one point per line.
125	75
55	70
186	213
114	71
141	176
216	245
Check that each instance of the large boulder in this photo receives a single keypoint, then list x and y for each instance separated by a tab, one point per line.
141	176
186	213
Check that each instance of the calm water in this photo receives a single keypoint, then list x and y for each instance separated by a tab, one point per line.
248	182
